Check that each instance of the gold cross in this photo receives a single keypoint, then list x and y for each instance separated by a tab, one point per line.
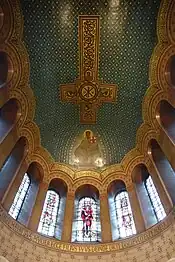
88	91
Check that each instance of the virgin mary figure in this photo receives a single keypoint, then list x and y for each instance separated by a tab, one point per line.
88	152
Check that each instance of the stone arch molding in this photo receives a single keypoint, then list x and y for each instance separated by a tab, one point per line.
19	88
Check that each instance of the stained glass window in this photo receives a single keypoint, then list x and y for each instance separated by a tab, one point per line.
155	200
48	220
125	221
20	197
87	222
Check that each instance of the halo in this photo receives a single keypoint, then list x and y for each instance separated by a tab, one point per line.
88	130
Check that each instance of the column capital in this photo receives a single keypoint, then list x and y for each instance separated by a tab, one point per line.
68	217
103	195
70	195
44	185
130	187
9	195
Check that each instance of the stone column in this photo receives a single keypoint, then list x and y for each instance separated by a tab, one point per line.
37	209
105	218
14	186
136	210
68	217
161	190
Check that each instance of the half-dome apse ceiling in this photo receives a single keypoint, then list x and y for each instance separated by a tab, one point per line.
127	39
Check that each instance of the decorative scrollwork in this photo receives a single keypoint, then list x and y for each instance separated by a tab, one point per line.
89	45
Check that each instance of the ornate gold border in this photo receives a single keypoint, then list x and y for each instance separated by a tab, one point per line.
88	248
18	88
157	91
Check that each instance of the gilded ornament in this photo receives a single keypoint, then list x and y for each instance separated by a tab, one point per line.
88	248
91	93
86	66
87	91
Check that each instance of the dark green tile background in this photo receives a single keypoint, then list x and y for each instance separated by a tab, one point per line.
128	36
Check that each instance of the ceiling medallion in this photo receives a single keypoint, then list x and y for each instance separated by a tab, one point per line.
87	91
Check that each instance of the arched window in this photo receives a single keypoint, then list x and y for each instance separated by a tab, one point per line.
167	118
49	216
154	199
9	115
12	164
87	225
164	168
149	201
20	197
125	221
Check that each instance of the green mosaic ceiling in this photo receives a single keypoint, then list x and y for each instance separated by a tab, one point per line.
127	39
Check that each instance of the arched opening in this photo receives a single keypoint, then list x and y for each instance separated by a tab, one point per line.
122	221
151	205
11	164
9	114
86	223
25	197
20	197
51	221
166	117
164	168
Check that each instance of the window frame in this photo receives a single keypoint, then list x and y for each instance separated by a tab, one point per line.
78	220
56	217
130	214
18	194
156	197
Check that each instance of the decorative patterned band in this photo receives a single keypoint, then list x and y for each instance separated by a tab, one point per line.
98	248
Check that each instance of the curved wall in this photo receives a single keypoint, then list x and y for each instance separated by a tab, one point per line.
17	243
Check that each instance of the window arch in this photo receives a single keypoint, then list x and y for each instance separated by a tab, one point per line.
20	197
148	195
48	220
154	199
121	217
166	118
164	168
9	114
87	220
52	216
86	223
12	164
35	174
125	221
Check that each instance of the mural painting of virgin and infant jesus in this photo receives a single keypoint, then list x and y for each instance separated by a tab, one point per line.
88	152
